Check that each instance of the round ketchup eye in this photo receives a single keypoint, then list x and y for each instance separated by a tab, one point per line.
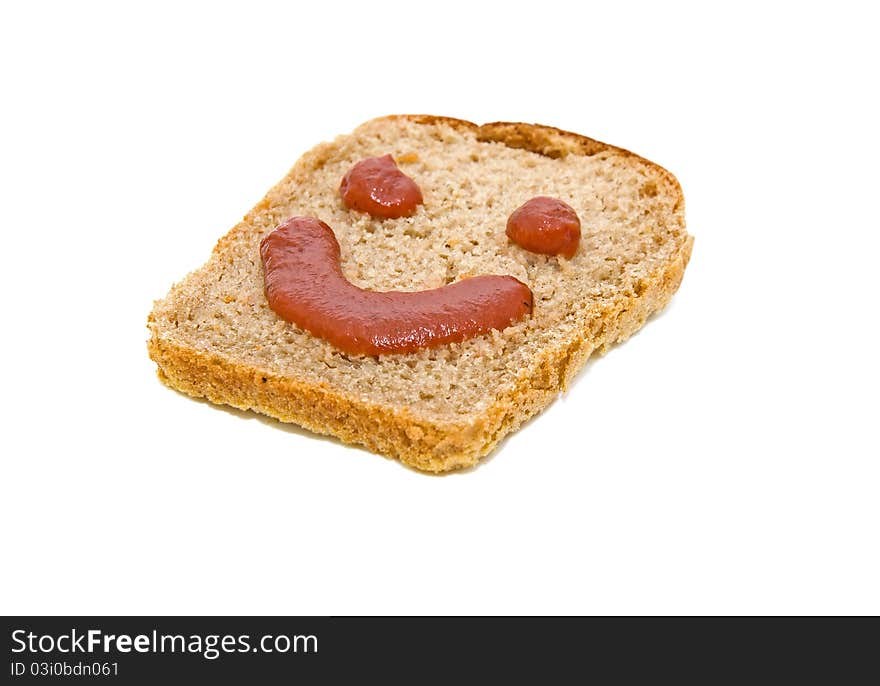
375	185
545	225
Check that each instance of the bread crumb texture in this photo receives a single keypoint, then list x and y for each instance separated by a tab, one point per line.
215	337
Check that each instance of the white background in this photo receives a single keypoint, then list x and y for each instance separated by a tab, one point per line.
724	460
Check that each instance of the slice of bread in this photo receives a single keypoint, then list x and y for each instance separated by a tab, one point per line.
215	337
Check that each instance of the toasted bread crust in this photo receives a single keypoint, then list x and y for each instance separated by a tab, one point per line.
397	432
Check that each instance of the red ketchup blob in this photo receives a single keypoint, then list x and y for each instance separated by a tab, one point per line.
375	185
305	285
545	225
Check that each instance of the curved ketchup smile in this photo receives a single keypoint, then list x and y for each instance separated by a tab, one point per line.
305	285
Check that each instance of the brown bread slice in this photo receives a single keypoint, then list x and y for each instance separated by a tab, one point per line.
215	337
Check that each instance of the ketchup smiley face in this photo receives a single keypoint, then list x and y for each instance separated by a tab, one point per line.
545	225
305	285
375	185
